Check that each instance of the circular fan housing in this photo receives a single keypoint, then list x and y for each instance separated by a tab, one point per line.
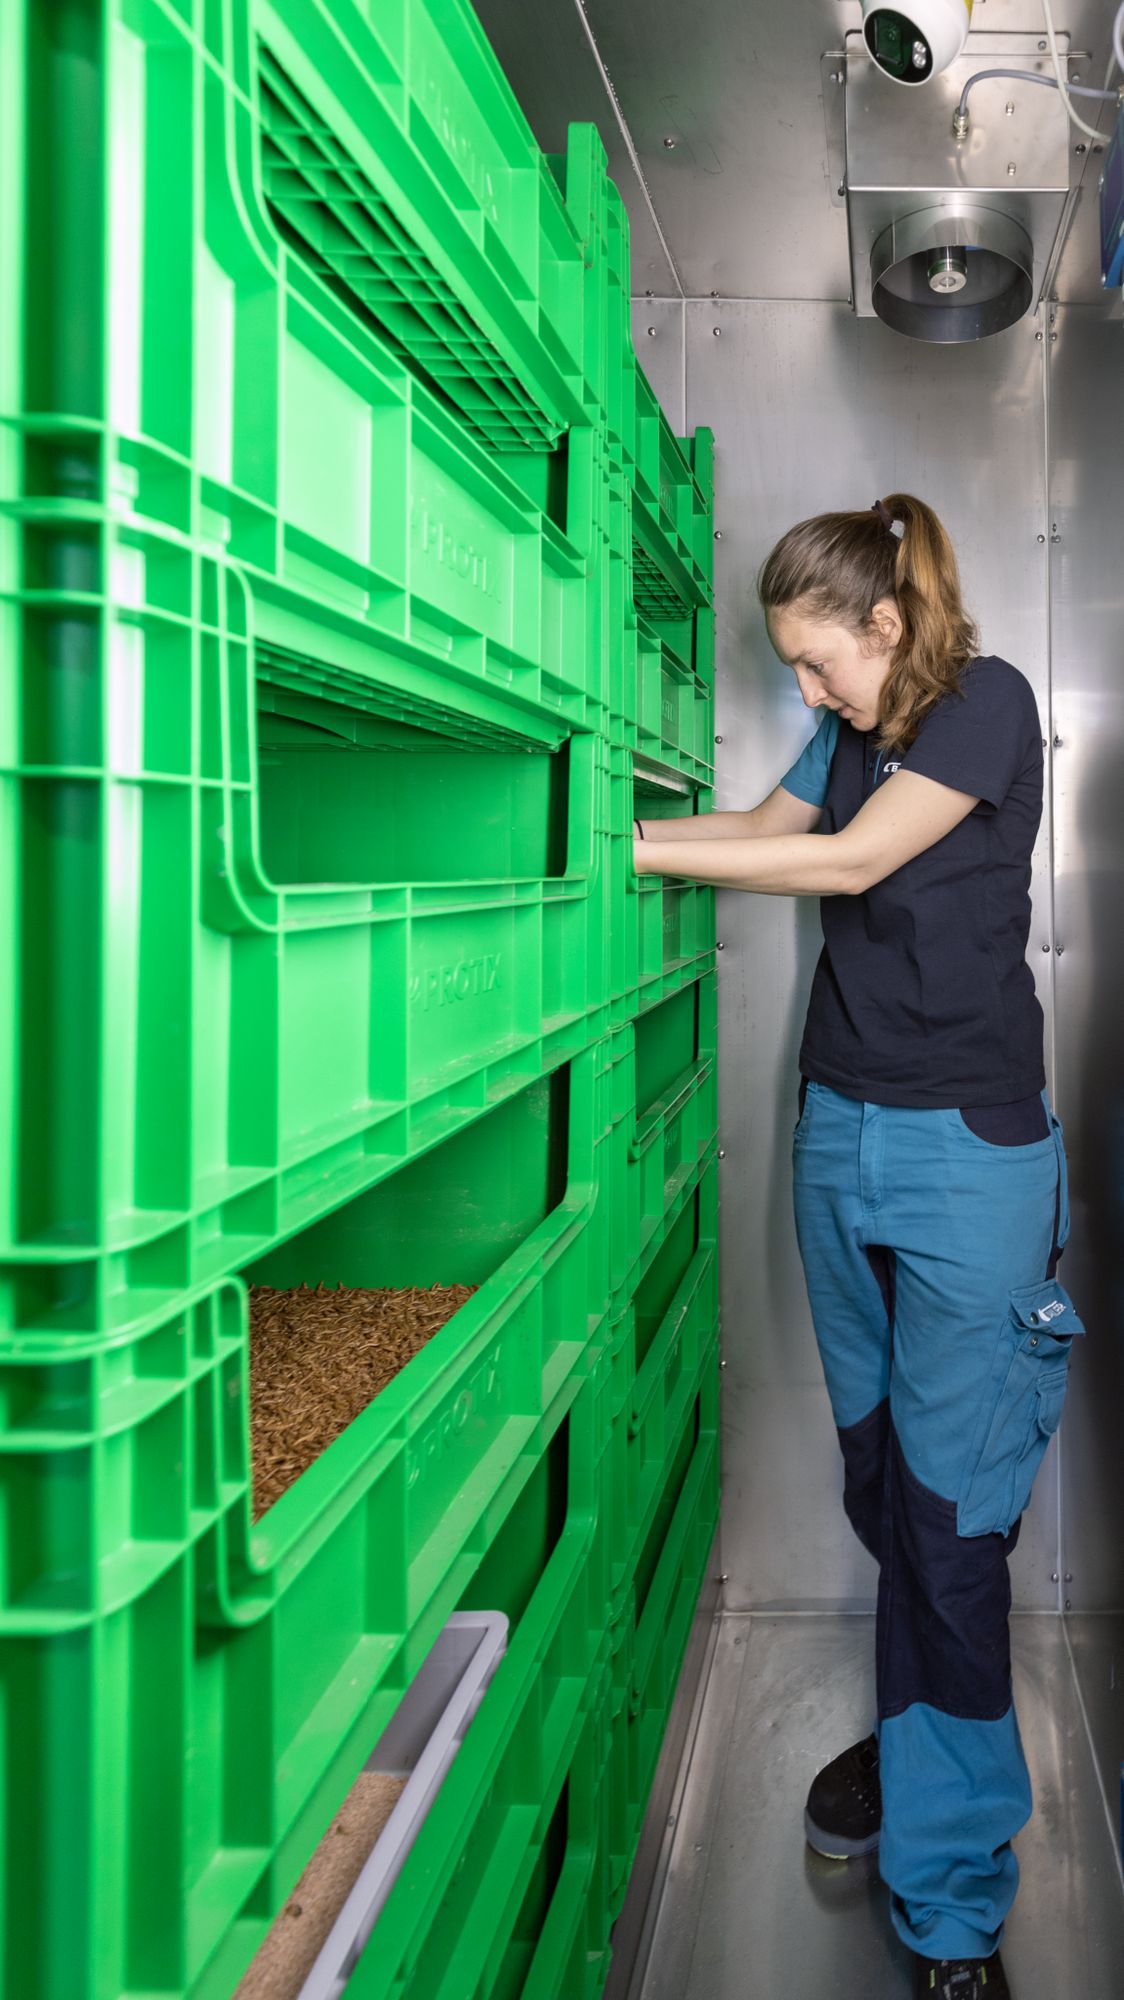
947	275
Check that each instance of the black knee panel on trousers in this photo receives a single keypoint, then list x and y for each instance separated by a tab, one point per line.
943	1604
864	1475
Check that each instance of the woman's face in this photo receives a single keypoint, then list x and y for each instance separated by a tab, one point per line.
833	668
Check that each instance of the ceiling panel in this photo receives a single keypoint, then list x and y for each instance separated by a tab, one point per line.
746	195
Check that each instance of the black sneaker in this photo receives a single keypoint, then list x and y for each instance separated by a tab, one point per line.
843	1816
960	1979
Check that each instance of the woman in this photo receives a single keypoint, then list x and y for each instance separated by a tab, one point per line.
929	1178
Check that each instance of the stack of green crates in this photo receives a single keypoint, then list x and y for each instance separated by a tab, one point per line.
357	595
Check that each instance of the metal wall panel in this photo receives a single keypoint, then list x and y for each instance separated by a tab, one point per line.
1087	576
813	409
743	194
659	337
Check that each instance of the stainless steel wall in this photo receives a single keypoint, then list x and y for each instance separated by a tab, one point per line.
813	409
1087	619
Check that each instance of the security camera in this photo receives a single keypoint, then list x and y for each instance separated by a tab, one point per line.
914	42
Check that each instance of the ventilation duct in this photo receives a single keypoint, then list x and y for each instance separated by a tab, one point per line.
952	239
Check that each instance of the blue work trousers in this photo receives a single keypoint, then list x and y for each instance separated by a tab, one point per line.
930	1256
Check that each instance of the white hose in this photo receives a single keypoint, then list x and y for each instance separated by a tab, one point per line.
1052	39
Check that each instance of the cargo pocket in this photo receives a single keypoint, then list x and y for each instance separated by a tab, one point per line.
1020	1410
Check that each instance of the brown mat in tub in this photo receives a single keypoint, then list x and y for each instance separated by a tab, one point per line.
288	1952
318	1357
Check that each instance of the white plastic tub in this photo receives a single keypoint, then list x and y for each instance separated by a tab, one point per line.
419	1743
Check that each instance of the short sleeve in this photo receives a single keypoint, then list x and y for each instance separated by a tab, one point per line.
978	740
808	777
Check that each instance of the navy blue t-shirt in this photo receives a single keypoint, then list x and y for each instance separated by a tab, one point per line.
922	996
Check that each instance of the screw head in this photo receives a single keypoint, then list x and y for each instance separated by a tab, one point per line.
1042	46
719	946
670	144
1041	538
1012	168
717	332
651	333
1045	947
836	76
1039	336
721	1152
1082	148
841	189
1053	1576
1010	109
718	534
718	739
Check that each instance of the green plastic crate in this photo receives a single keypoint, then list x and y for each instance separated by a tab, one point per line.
672	518
148	1435
582	176
187	1733
651	1636
671	723
665	1125
249	413
560	1946
395	158
660	1347
622	365
661	929
478	1854
266	1043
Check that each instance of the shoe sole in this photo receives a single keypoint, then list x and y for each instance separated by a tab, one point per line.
836	1846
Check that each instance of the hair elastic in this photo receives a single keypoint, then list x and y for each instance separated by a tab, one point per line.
883	512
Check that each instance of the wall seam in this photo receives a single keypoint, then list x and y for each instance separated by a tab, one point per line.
626	135
1048	331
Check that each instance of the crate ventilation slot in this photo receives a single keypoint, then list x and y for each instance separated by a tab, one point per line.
331	215
653	595
287	680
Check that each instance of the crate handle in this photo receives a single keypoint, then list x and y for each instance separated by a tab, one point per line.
686	1084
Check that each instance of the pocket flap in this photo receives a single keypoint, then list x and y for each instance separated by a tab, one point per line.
1045	1308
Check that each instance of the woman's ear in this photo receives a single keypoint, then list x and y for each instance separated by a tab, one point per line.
886	623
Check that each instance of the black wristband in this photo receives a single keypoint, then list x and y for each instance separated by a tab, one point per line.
639	829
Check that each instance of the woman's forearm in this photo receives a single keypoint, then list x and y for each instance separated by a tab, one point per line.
789	864
704	826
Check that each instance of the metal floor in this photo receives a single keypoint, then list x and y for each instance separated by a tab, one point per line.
748	1912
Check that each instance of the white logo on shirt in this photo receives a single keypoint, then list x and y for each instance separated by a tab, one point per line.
892	767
